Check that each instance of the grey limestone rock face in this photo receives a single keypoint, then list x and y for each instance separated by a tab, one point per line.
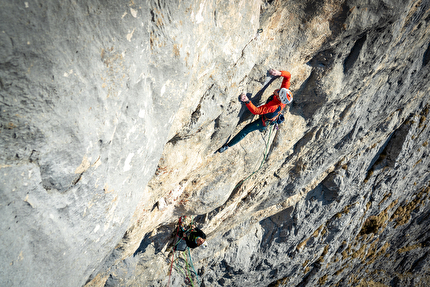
79	107
110	114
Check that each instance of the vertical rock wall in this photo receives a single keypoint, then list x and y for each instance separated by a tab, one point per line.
110	114
86	105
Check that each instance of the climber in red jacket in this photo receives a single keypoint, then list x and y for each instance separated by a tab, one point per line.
269	112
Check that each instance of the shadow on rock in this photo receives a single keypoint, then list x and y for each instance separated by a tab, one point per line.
244	113
164	235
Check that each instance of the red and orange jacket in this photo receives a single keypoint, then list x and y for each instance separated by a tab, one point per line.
273	105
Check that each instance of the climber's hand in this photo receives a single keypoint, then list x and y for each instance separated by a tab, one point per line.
243	97
274	72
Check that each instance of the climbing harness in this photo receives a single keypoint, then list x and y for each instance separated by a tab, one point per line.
275	117
188	270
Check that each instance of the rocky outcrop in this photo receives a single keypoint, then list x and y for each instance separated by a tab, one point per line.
111	114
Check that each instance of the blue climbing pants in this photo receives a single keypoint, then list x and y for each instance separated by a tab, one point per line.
255	125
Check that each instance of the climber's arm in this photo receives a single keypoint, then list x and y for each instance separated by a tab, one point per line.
261	110
287	79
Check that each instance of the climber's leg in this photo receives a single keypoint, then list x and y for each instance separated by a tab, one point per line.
255	125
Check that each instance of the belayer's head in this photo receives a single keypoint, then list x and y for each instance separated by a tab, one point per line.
201	242
284	95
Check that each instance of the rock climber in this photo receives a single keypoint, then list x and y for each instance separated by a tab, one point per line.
195	237
269	112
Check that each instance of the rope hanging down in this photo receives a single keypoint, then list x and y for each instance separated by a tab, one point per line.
264	158
188	271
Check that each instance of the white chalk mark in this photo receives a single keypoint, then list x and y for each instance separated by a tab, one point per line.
133	12
127	165
97	228
199	17
163	90
129	35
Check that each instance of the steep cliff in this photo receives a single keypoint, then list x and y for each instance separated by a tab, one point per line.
111	111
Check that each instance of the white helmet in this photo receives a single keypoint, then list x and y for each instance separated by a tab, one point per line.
285	96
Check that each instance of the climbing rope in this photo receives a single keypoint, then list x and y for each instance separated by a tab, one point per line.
178	267
187	265
264	159
174	247
189	254
180	226
184	271
186	257
191	262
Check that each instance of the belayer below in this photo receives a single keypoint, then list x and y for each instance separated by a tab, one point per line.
269	112
194	237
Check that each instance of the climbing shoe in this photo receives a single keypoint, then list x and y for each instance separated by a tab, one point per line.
223	149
